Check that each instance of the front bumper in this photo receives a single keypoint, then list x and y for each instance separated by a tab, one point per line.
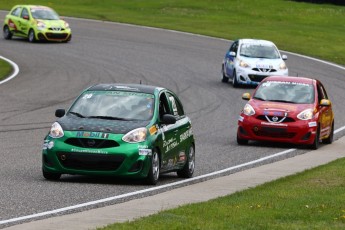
128	160
298	132
254	76
58	36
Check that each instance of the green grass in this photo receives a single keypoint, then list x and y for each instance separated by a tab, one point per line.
311	200
5	69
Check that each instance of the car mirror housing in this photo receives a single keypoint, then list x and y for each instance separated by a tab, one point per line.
325	102
168	119
60	113
284	57
246	96
232	54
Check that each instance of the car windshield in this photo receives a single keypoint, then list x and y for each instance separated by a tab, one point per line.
114	105
289	92
259	51
44	13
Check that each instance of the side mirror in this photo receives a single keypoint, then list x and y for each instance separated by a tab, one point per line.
168	119
246	96
232	54
26	17
284	57
60	113
325	102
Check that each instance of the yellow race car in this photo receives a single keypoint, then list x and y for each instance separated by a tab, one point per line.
36	23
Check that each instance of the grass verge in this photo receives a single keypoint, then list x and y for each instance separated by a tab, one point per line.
313	199
5	69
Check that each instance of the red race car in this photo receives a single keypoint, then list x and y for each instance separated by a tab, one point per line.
287	109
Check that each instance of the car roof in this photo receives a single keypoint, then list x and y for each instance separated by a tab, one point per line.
255	41
290	79
125	87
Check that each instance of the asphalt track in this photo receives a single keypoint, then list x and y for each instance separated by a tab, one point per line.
52	75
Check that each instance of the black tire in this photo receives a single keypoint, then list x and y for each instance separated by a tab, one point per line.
188	169
225	79
31	36
7	33
153	175
234	79
241	141
329	139
51	176
316	142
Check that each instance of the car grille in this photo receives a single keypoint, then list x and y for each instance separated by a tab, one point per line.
91	143
56	35
273	132
257	78
264	70
90	161
263	118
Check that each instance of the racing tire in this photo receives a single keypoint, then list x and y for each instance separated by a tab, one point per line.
241	141
316	142
51	176
31	36
225	79
234	80
329	139
153	175
188	169
7	33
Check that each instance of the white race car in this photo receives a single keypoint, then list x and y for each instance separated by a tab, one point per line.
249	61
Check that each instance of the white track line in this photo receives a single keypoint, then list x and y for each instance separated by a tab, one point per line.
15	72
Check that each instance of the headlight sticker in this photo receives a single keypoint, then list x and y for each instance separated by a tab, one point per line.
312	124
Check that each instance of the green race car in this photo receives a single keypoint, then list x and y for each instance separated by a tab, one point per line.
36	23
123	130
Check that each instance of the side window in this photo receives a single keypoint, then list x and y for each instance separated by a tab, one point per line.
163	105
321	92
25	13
175	105
234	47
16	11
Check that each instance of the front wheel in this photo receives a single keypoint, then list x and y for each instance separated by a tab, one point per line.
225	78
7	33
32	36
329	139
51	176
153	175
316	142
234	79
241	141
188	169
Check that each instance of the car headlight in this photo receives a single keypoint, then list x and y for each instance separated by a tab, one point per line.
248	110
41	25
136	135
243	64
282	65
66	25
306	114
56	131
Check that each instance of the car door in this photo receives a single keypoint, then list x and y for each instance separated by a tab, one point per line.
230	59
24	21
13	19
326	112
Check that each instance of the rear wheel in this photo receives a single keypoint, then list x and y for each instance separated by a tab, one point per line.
224	79
32	36
51	176
234	80
329	139
7	33
188	168
153	176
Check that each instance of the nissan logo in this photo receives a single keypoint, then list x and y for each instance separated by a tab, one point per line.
91	142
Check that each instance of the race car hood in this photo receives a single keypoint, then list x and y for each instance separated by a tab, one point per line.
274	107
72	123
58	24
262	63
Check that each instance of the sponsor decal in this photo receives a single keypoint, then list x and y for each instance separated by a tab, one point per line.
105	135
186	134
274	124
48	144
182	156
170	144
96	151
145	152
312	124
92	134
240	118
153	130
